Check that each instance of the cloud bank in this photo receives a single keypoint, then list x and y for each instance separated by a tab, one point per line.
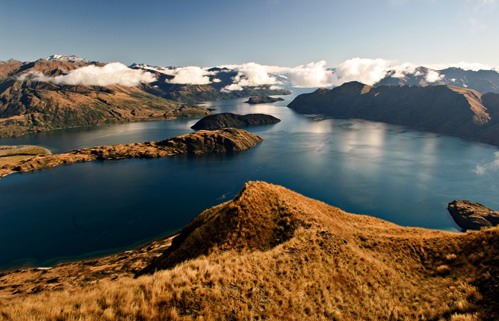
311	75
111	74
192	75
316	74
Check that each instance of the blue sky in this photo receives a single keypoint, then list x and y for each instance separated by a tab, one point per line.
276	32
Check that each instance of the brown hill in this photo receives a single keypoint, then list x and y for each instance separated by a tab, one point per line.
30	105
444	110
276	255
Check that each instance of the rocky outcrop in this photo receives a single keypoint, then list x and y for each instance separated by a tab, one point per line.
227	140
253	100
225	120
446	110
472	216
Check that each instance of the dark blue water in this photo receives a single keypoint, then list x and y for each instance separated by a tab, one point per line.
90	209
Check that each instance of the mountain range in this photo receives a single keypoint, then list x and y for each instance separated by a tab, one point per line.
483	81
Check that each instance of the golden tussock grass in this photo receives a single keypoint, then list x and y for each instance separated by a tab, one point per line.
272	254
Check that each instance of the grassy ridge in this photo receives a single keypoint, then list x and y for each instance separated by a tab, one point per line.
278	255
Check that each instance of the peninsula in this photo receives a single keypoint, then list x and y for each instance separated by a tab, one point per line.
198	143
446	110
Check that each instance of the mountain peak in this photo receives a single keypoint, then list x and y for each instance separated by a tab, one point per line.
71	58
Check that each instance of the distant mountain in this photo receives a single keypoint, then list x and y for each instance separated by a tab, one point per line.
71	58
447	110
36	96
482	80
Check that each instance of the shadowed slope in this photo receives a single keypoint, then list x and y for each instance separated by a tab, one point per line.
446	110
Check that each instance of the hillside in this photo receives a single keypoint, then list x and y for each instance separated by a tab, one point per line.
276	255
29	105
446	110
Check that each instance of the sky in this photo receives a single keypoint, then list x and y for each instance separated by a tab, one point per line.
273	32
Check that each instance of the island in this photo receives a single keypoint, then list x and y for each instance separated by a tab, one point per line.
253	100
225	120
226	140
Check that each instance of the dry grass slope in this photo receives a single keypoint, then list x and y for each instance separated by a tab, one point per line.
272	254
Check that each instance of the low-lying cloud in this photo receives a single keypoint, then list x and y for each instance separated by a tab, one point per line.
317	74
192	75
311	75
111	74
367	71
253	75
314	74
433	76
487	168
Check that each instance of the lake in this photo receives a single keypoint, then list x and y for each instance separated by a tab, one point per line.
91	209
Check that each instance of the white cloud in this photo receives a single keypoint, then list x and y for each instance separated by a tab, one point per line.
192	75
253	74
367	71
489	167
314	74
433	76
111	74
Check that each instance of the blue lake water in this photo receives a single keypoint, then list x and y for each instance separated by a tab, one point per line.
91	209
